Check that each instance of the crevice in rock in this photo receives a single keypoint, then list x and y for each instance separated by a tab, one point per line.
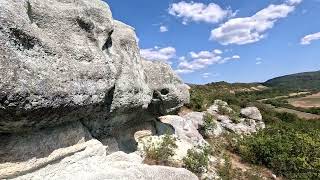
23	40
86	25
109	98
3	98
163	128
156	95
164	91
29	11
108	42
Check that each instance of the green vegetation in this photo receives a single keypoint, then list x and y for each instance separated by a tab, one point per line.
301	81
285	104
233	115
210	123
161	152
197	159
202	96
290	148
225	171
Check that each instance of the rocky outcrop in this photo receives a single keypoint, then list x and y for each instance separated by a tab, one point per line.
65	61
249	122
251	113
92	163
71	74
23	153
169	92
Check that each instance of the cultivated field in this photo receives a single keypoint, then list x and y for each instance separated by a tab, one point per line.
306	102
300	114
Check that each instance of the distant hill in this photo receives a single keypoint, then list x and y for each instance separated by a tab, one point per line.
300	81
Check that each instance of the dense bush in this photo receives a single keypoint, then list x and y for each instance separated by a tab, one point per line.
161	152
313	111
287	117
290	149
197	159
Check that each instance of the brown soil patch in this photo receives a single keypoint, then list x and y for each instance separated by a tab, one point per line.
306	102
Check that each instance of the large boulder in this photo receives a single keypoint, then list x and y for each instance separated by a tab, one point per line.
251	113
184	129
64	61
169	92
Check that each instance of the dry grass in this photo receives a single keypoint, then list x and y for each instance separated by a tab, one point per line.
306	102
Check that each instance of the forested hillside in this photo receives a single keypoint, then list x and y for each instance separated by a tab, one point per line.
300	81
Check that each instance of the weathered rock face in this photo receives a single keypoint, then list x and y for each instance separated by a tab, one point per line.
92	163
64	60
70	73
251	113
23	153
169	92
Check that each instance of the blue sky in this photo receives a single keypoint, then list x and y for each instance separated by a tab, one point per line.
226	40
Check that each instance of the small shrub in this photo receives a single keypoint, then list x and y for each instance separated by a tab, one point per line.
162	152
287	117
223	110
197	159
210	123
225	171
234	115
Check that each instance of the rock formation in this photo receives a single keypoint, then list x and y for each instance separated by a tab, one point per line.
74	93
64	61
71	74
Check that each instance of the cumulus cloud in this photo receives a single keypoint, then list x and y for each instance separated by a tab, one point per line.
201	60
160	54
217	51
199	12
252	29
163	28
309	38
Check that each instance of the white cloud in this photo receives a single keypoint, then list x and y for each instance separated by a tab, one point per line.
183	71
199	12
309	38
198	61
226	59
160	54
201	60
259	60
294	2
236	57
163	28
207	75
252	29
217	51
